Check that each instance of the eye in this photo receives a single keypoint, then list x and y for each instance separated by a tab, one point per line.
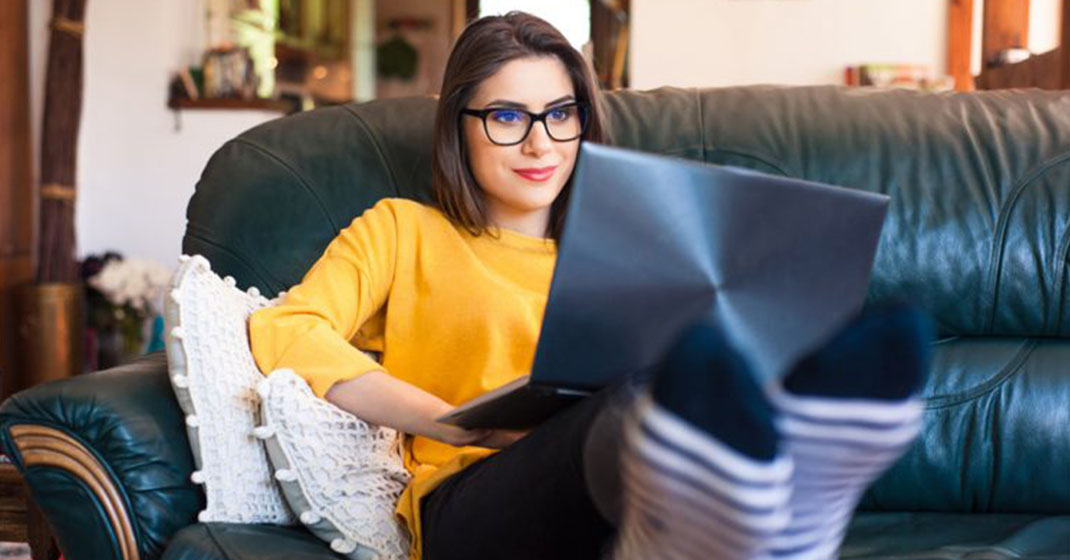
560	114
507	116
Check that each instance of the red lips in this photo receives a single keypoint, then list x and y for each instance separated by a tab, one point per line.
536	173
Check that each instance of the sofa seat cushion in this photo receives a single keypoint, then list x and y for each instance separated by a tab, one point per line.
236	541
872	536
954	536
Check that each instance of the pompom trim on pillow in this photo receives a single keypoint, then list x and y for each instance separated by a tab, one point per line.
296	482
250	494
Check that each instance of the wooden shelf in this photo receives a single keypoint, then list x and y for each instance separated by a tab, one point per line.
249	104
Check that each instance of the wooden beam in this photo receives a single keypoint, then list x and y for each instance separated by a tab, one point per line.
16	183
1006	25
1064	46
960	42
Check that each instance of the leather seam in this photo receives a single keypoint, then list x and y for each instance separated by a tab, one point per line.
210	529
978	158
995	261
300	178
1013	366
375	144
263	276
707	148
761	158
682	152
1061	265
701	123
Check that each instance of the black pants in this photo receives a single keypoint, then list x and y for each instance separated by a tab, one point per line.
554	494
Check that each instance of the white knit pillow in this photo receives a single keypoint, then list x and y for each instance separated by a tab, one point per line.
215	378
341	475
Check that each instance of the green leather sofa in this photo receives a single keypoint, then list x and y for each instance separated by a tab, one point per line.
978	233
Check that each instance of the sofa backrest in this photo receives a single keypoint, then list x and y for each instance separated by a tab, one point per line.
978	230
978	233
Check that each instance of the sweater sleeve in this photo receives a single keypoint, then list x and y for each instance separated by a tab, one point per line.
310	330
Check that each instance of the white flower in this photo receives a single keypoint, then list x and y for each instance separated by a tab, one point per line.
138	282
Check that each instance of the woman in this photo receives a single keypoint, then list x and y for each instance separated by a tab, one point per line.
697	463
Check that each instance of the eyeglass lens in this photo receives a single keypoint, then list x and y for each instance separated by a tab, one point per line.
510	126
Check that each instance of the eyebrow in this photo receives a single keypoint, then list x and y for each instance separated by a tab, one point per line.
515	105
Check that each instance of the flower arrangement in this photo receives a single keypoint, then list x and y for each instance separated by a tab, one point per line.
124	299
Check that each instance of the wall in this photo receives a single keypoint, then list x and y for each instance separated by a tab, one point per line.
136	171
136	168
733	42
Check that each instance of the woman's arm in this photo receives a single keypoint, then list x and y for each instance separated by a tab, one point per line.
382	399
310	330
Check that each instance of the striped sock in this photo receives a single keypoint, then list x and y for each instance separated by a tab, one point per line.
846	413
838	447
689	496
701	473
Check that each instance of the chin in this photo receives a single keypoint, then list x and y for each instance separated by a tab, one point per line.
533	197
539	200
531	204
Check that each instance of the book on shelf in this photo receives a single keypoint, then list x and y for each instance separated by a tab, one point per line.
895	75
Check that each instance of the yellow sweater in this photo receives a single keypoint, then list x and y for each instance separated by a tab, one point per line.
454	314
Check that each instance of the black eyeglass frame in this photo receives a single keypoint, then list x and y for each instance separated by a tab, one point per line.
583	108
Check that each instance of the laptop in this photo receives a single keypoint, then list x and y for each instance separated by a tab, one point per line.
653	244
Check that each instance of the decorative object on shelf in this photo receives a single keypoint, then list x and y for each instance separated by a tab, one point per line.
397	58
50	312
185	86
124	300
408	55
312	51
239	63
228	73
905	76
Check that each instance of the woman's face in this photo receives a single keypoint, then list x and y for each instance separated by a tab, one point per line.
521	181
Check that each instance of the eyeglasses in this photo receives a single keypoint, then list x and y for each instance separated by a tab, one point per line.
508	127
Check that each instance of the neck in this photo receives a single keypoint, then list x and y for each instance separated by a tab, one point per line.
533	223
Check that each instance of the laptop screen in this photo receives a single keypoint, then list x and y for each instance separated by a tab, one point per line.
652	244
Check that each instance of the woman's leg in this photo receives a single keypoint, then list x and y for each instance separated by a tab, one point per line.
706	456
557	493
703	461
846	413
531	500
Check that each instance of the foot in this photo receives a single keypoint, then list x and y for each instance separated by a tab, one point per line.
701	474
846	413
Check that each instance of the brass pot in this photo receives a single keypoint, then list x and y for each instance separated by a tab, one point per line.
50	326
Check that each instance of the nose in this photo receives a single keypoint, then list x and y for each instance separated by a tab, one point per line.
538	141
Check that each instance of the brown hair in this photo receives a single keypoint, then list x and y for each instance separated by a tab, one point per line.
481	50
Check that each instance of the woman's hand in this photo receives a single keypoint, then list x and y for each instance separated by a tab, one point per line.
457	436
381	399
500	439
494	439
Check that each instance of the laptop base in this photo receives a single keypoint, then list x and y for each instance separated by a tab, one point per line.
520	407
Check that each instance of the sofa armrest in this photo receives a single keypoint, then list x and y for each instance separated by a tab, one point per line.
107	459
